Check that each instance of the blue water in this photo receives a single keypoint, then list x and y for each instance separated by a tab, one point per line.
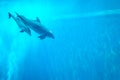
86	44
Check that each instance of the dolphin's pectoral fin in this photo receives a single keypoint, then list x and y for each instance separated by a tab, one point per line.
37	19
29	31
42	36
21	30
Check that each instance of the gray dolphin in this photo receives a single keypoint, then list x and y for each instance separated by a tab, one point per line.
37	27
20	24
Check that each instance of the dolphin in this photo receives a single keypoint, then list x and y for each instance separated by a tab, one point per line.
37	27
20	24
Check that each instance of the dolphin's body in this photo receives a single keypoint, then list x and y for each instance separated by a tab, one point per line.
37	27
20	24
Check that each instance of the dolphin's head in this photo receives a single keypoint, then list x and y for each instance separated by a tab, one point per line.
17	14
50	34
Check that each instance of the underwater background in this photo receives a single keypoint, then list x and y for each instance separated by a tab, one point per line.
86	44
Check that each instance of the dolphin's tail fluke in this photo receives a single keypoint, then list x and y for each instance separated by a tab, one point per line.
9	15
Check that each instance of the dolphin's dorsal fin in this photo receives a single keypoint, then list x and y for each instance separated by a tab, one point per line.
37	19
